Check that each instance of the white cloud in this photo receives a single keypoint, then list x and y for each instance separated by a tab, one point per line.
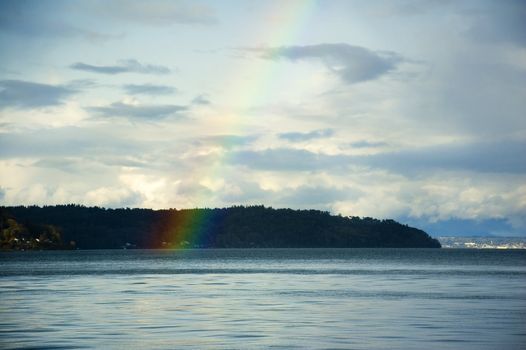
113	197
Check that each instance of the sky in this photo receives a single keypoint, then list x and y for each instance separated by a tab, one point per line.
411	110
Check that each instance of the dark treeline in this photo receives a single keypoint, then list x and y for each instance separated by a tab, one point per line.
29	235
238	226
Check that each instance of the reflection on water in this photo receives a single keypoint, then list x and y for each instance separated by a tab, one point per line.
301	298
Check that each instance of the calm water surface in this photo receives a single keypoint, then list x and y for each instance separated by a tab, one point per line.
264	299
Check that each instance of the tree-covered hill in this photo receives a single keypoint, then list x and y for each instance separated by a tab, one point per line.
28	236
238	226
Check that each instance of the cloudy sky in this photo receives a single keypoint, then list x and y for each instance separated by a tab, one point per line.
412	110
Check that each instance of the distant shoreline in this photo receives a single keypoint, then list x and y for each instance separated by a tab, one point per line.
79	227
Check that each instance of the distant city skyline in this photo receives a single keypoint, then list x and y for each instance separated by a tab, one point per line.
411	110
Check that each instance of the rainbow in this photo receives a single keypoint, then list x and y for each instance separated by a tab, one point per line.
285	23
189	228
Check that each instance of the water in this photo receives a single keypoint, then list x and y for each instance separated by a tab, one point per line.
264	299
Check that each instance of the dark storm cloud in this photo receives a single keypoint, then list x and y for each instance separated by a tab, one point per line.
34	18
483	20
306	136
124	66
459	227
408	8
353	64
489	157
502	21
25	94
148	89
146	112
158	13
482	157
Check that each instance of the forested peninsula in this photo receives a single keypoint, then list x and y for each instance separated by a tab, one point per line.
79	227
